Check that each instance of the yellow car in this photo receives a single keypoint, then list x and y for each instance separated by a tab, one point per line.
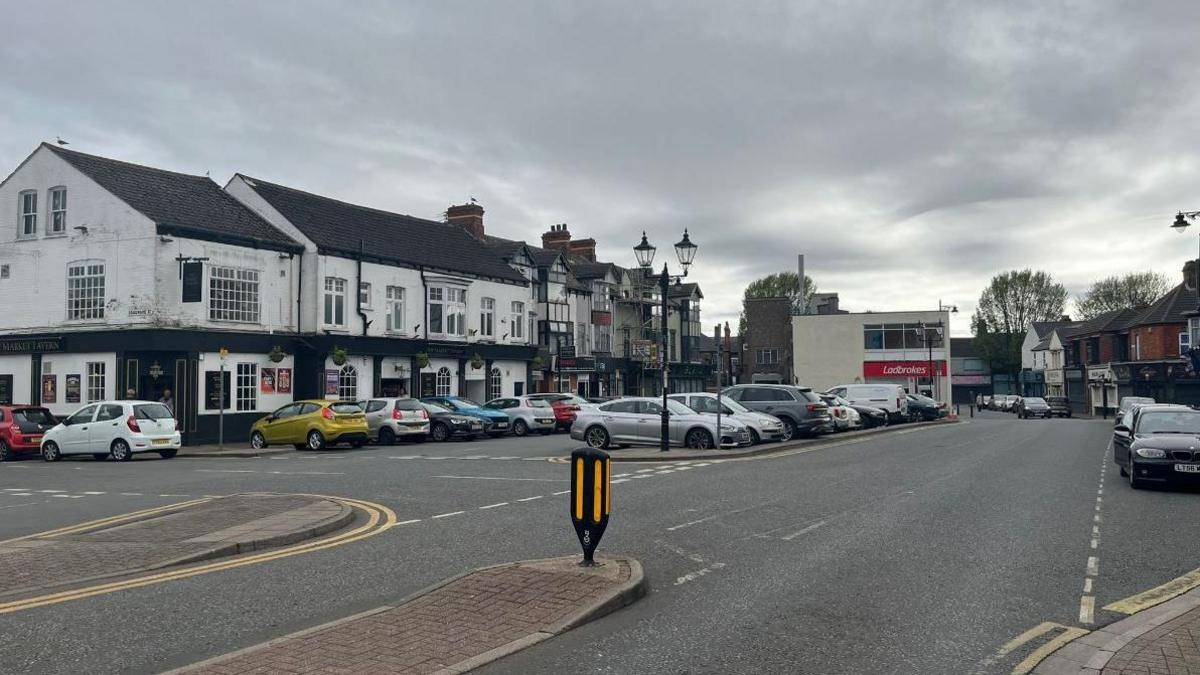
312	425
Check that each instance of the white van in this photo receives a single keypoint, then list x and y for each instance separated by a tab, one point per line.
889	397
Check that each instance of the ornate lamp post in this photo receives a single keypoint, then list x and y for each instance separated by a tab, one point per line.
685	250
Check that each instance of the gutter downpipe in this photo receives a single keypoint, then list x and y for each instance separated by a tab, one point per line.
424	302
299	287
358	291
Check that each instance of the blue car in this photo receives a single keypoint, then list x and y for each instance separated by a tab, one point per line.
496	423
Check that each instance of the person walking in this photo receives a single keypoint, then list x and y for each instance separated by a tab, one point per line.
168	400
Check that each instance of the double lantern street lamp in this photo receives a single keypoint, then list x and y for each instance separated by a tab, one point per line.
685	250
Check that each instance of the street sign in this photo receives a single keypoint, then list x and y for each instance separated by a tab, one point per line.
640	349
193	281
591	498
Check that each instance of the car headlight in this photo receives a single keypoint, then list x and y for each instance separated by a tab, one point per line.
1151	453
459	420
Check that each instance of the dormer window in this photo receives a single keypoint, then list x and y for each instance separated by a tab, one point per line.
28	215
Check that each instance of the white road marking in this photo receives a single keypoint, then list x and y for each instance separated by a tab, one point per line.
620	475
507	457
621	480
62	496
474	457
89	492
684	468
536	480
20	494
226	471
535	459
404	457
699	464
806	530
447	515
14	506
50	491
409	522
1095	542
131	494
15	489
644	470
1087	609
174	495
492	506
1093	566
1087	585
561	492
689	524
644	475
529	499
304	473
692	576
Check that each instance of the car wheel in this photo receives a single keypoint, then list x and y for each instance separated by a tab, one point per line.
596	437
120	450
698	439
315	440
168	454
258	441
5	452
520	428
387	436
755	439
789	428
1133	479
439	432
99	456
50	451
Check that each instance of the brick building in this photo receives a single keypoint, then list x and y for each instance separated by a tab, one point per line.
767	345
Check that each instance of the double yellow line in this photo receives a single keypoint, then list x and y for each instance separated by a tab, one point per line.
379	519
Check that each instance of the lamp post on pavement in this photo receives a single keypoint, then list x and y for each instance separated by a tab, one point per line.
1181	225
685	250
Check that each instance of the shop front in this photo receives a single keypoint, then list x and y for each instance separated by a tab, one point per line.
967	387
1102	390
922	377
1054	382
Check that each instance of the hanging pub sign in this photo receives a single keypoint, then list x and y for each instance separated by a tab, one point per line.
71	388
193	281
214	387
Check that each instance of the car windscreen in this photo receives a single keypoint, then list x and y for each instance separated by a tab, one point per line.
346	408
152	411
467	403
677	408
33	416
538	403
434	408
408	404
1172	422
1035	400
733	405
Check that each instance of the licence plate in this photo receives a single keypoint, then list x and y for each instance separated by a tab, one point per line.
1187	468
501	425
476	425
160	441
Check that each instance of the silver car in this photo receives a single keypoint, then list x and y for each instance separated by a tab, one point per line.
391	418
637	421
528	414
763	427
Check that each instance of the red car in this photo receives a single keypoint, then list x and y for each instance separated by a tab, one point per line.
21	429
565	406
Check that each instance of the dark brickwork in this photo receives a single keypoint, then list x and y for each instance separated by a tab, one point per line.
768	326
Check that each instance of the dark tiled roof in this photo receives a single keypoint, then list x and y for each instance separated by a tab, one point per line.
1117	319
963	348
179	204
1043	328
685	290
1170	308
591	270
337	227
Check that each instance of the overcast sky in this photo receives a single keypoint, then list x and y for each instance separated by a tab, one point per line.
910	153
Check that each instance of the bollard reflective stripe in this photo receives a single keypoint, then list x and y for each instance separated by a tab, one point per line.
597	487
579	489
607	486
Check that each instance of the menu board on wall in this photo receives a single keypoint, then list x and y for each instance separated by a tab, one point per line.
6	386
283	380
49	389
331	383
428	384
193	281
213	389
267	381
71	384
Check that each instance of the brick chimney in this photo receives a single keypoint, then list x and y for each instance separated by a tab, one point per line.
557	238
584	247
467	216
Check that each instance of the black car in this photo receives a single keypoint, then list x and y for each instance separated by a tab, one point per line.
445	424
1033	406
922	409
1158	444
1059	406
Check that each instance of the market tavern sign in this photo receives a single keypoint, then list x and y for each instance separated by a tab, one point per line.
30	345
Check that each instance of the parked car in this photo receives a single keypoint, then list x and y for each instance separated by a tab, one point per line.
800	409
1034	406
869	416
889	397
21	430
1156	443
565	406
1004	402
842	416
637	421
116	429
528	414
496	423
389	419
313	424
763	427
922	408
1059	406
445	424
1014	405
1128	403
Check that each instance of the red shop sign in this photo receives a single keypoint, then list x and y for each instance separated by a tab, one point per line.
902	368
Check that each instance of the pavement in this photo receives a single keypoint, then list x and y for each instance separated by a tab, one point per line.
924	550
460	624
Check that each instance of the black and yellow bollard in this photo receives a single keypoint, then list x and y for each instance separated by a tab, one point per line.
591	498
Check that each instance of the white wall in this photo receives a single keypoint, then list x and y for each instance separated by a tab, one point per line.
20	366
437	364
64	364
35	292
365	370
211	362
1031	340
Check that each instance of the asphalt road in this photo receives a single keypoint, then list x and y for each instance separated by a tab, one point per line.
917	551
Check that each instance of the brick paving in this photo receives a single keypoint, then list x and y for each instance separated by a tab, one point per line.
1170	649
470	616
204	530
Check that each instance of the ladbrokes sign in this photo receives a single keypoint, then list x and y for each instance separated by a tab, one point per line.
902	368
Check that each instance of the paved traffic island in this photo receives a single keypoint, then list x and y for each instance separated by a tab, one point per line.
457	625
170	536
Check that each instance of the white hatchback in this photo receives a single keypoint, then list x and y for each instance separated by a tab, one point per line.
114	429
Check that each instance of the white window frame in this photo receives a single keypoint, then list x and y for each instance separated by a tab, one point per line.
233	294
57	222
456	314
348	383
1185	343
333	307
442	382
364	294
245	391
518	320
85	290
27	214
436	297
487	318
395	300
495	384
96	385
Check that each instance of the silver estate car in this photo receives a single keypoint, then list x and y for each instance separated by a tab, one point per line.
763	427
637	421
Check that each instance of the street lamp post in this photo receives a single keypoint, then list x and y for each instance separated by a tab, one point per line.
1181	225
685	250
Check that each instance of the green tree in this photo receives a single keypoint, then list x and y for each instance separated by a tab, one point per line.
1132	291
779	285
1007	307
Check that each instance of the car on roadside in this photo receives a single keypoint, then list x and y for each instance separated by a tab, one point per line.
392	419
800	409
923	409
116	429
1128	403
843	417
889	397
528	414
445	424
871	416
496	423
1157	443
313	424
763	428
638	421
1004	402
1034	406
565	406
21	430
1059	406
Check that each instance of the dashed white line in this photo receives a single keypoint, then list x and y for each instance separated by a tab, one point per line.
529	499
409	522
21	494
619	480
561	492
1087	609
89	492
174	495
806	530
131	494
1093	566
645	470
50	491
689	524
447	515
1087	585
493	506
